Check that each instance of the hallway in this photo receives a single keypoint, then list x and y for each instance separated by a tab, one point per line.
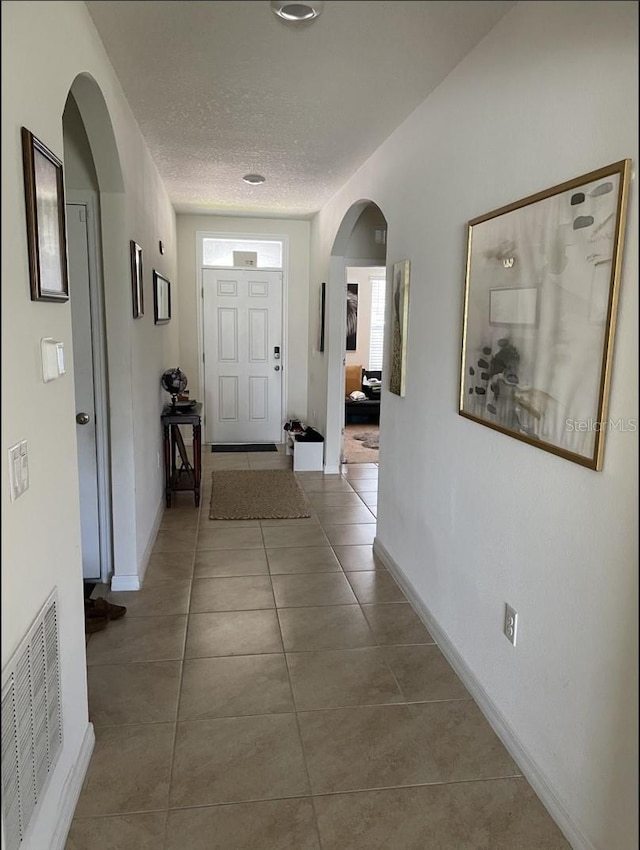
272	689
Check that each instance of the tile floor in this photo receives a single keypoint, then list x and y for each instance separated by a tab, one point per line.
272	689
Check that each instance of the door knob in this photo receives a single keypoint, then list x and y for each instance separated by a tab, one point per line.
277	368
83	418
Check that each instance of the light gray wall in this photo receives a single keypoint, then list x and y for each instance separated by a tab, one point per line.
475	518
45	46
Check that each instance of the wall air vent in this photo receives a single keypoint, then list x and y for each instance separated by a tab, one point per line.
31	722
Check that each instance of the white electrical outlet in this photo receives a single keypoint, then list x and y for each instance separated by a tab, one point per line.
510	623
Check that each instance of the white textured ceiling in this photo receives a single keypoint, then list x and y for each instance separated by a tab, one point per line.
221	89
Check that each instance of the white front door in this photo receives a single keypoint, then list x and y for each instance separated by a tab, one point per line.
83	368
242	355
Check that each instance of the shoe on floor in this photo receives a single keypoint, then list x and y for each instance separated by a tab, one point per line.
94	622
101	607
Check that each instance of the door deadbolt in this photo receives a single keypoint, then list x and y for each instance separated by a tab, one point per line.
83	418
277	368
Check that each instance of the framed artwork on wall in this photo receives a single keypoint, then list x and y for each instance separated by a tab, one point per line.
137	280
46	232
541	294
352	317
399	326
323	307
161	299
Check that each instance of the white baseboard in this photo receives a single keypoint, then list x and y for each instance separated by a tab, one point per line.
130	582
331	470
527	764
71	790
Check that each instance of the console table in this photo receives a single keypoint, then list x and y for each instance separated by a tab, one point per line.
187	475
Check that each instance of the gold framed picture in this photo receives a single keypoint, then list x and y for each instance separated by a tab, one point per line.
541	293
399	326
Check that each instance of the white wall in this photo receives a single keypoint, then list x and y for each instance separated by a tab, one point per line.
45	46
297	232
475	518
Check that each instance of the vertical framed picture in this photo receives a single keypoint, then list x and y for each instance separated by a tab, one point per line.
352	317
137	288
46	231
161	299
399	326
323	308
541	294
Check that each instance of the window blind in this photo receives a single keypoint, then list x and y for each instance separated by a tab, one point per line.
376	343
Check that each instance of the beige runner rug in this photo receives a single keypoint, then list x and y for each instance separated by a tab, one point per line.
256	494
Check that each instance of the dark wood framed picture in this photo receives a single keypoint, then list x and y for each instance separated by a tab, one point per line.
46	231
137	280
161	299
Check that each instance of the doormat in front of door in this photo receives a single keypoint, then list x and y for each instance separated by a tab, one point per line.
257	494
245	447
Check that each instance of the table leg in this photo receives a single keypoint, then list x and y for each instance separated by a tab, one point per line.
197	462
167	465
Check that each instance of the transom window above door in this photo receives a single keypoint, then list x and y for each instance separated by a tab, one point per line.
219	252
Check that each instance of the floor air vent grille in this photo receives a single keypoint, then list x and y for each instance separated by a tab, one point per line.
31	722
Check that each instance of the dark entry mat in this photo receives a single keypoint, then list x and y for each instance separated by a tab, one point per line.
246	447
88	588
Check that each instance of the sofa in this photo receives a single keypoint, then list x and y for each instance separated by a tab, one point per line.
365	381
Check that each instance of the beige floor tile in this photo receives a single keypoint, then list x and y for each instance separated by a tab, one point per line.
138	639
396	623
369	498
361	471
357	558
311	559
461	742
179	540
330	627
335	679
235	593
298	522
375	587
175	519
364	485
286	536
230	538
335	500
344	516
499	815
365	747
158	598
169	565
228	687
312	589
220	563
423	673
129	770
271	825
351	535
144	692
124	832
237	759
327	484
233	633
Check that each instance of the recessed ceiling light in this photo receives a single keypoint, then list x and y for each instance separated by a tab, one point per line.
305	10
254	179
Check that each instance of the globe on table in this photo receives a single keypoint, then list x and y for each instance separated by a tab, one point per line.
174	381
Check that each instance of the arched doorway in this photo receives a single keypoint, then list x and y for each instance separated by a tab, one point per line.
92	162
359	242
